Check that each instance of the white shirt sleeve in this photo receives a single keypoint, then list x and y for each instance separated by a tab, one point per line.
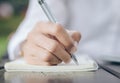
33	15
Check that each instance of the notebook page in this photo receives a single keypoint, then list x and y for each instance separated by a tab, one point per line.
85	64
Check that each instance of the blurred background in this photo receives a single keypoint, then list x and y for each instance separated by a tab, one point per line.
12	13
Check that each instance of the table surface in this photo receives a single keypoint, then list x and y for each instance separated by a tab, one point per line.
99	76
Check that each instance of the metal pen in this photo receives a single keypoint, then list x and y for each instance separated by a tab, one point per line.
51	18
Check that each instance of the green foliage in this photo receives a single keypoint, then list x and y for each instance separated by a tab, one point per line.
6	27
9	25
3	45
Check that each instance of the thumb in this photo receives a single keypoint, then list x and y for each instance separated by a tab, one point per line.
76	36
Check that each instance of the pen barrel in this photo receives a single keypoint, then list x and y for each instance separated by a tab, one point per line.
47	11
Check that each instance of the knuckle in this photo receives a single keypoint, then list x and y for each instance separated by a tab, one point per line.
57	28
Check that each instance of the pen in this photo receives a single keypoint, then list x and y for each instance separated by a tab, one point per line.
51	18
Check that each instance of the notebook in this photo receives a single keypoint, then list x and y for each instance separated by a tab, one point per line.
85	64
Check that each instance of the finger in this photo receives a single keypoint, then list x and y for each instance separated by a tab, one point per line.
52	46
40	56
58	32
76	36
46	56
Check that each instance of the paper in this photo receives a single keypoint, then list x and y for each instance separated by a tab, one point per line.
85	64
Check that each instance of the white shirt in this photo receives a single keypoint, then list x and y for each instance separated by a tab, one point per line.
97	20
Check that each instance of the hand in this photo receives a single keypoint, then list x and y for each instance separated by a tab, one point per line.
49	44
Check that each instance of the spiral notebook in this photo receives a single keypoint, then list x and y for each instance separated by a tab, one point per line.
85	64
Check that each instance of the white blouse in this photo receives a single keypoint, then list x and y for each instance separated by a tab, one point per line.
97	20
